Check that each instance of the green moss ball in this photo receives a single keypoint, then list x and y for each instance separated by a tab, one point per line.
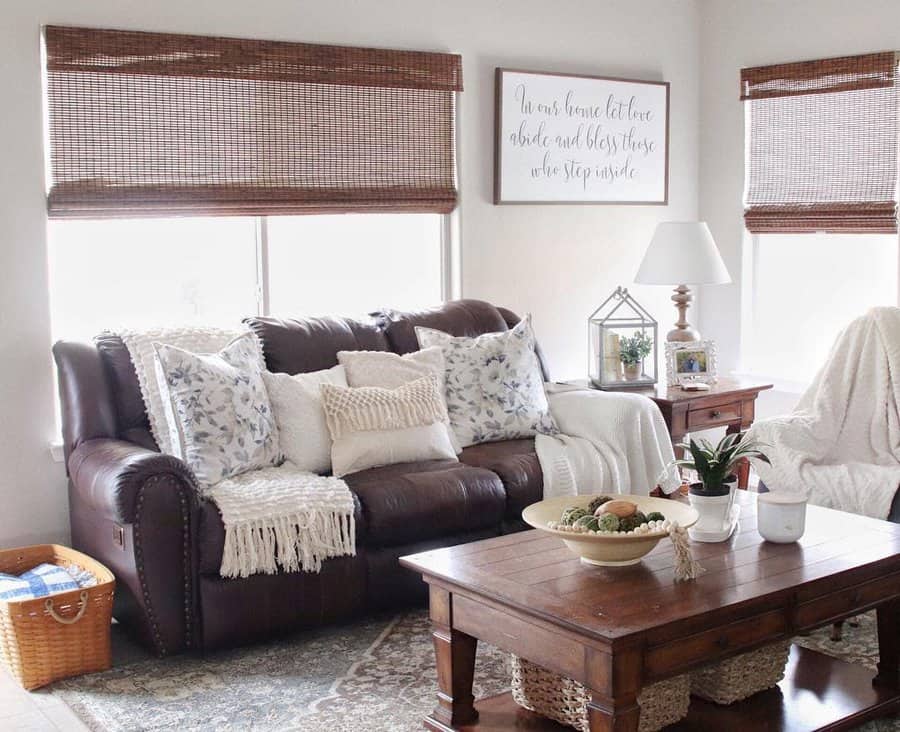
628	523
597	502
655	516
571	515
640	518
608	522
587	522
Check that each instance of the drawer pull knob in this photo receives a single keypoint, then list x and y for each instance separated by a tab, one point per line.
716	413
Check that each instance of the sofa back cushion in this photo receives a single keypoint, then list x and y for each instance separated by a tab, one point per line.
459	318
311	344
133	423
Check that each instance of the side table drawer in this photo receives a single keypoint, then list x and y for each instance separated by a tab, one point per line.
720	414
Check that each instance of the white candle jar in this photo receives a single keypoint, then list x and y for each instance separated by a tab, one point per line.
781	516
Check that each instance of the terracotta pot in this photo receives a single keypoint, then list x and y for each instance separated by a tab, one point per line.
632	371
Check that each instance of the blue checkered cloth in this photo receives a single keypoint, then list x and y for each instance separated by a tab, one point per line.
45	579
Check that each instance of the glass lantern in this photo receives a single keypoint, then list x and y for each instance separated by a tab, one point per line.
622	343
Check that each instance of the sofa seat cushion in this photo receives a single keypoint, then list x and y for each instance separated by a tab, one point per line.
411	502
211	535
516	462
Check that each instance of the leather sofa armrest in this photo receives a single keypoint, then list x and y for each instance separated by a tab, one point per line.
108	475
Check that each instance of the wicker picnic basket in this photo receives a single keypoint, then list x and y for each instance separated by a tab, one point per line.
737	678
64	634
564	700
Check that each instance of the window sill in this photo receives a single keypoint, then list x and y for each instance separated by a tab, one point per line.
57	454
785	386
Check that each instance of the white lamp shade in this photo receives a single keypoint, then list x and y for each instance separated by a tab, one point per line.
682	253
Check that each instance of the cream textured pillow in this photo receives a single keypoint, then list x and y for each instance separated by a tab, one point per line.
390	370
371	426
297	404
218	409
494	386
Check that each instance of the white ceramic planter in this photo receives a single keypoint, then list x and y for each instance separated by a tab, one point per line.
781	516
715	514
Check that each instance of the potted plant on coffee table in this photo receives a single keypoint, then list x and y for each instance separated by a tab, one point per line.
632	352
713	495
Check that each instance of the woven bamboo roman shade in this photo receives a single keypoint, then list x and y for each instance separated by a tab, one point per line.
822	149
149	124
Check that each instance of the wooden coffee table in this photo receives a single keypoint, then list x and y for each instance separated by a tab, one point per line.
616	629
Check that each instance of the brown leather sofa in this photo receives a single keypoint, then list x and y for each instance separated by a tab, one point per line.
139	512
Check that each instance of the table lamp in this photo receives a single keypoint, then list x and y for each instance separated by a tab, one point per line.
682	253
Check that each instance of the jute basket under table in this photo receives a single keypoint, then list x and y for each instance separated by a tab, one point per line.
61	635
564	700
737	678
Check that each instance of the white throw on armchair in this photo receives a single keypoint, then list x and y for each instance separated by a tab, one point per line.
842	443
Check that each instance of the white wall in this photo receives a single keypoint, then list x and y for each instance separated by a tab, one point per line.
557	262
736	34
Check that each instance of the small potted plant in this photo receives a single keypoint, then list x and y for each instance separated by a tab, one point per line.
713	495
632	352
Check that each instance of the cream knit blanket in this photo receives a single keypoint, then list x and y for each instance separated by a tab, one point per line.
278	518
283	518
610	442
842	443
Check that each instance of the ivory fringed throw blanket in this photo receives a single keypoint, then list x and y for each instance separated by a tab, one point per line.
842	443
277	518
611	442
283	518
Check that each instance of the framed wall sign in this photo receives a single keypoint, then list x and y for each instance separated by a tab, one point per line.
580	139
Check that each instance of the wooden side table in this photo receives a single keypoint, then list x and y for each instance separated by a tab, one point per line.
729	403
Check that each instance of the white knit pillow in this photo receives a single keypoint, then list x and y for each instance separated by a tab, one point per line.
218	407
297	404
390	370
371	426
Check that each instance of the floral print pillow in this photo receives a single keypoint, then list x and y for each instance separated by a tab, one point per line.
218	409
494	386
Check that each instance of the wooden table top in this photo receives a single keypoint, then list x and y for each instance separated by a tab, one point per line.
672	394
537	575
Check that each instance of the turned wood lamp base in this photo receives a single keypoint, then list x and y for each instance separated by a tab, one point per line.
683	331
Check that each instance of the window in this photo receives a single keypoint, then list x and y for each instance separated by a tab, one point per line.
805	289
134	273
139	273
353	264
820	203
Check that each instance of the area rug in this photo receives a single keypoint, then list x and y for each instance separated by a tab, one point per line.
377	675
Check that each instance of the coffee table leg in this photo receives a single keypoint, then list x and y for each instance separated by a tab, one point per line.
613	706
455	655
620	715
888	645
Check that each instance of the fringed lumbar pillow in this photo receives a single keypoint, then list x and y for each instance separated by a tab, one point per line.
218	409
371	426
390	370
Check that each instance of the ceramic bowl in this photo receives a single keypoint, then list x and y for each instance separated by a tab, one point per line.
608	550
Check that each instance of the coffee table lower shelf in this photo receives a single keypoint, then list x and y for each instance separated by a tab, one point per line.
818	693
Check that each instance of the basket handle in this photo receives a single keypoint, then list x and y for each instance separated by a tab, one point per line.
82	606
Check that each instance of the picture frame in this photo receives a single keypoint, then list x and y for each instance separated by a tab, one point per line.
580	139
691	362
